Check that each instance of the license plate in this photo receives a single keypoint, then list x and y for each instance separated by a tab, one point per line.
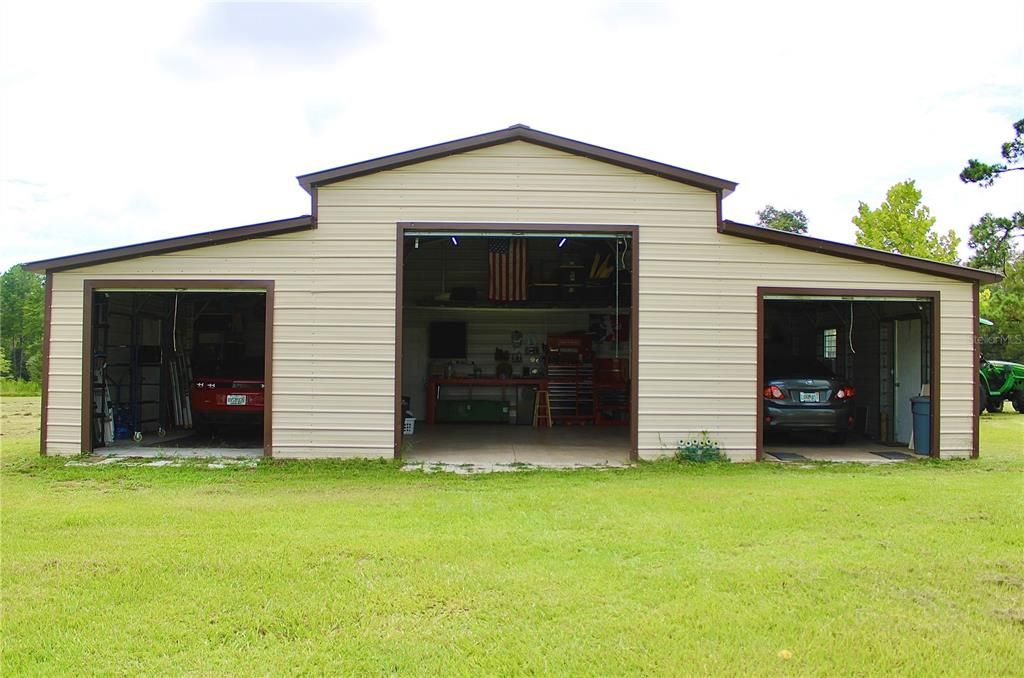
240	399
808	397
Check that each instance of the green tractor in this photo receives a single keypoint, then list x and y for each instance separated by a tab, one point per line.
1001	381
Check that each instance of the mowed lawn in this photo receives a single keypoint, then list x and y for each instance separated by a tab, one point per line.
914	568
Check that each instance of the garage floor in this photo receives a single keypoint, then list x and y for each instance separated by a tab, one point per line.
504	445
188	444
857	451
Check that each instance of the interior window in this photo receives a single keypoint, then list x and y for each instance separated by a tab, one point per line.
829	344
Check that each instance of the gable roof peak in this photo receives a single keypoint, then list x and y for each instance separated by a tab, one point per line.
517	132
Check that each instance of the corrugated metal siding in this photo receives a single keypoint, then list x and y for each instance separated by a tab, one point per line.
334	328
718	288
334	300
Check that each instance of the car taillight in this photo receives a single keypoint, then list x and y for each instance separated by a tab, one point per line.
845	392
773	392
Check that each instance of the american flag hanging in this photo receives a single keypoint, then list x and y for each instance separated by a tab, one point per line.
506	258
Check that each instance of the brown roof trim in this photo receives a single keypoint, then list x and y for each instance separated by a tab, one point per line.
185	242
858	253
516	133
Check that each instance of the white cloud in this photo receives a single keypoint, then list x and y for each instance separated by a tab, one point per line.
122	123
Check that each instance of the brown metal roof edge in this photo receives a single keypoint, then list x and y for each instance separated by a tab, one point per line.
185	242
857	252
516	133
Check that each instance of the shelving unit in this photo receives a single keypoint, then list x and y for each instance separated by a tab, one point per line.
126	374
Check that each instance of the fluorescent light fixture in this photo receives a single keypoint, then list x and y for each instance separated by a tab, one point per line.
561	242
455	241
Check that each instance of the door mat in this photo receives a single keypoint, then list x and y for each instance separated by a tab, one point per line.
897	456
788	456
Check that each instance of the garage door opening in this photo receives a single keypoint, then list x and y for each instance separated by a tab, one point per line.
516	346
848	377
177	373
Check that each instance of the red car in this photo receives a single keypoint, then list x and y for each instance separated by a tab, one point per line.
223	400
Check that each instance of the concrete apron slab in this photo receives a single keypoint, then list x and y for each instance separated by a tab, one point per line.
482	449
482	466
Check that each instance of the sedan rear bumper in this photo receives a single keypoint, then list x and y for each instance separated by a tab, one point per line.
833	418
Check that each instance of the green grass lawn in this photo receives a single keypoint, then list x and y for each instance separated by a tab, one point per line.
317	567
11	388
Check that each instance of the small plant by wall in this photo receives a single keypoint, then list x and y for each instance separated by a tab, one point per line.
700	449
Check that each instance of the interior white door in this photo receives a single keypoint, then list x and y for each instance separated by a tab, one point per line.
414	368
907	382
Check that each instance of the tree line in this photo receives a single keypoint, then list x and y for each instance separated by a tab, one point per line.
21	325
904	225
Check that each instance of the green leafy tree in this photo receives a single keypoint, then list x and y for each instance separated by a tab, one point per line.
791	221
21	321
978	172
992	240
1003	304
995	248
5	364
903	225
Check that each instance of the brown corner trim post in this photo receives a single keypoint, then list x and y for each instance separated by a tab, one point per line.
47	305
935	387
978	403
90	286
759	385
268	369
399	303
936	362
634	347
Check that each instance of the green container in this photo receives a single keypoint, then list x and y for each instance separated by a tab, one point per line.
475	411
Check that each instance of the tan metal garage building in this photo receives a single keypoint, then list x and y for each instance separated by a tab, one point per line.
322	302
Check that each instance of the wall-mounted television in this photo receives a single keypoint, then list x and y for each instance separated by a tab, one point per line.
447	340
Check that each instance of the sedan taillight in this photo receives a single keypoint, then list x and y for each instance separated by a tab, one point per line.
844	393
773	392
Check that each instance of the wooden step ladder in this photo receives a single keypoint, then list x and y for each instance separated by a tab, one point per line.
542	408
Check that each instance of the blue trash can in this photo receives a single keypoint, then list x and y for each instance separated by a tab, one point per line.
921	407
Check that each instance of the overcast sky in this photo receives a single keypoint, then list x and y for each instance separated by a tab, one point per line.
131	122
